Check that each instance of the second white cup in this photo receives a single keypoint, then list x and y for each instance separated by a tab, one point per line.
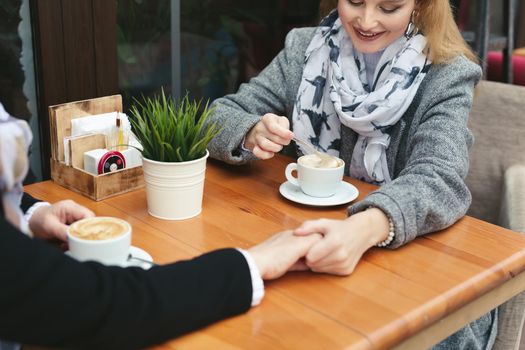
313	180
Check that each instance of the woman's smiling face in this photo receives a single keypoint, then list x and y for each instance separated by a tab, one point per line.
372	25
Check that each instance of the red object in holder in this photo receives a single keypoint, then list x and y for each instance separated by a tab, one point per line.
110	162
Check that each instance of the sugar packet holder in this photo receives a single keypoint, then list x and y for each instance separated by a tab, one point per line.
73	177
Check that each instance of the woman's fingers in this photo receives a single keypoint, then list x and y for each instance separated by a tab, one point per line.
268	145
319	251
334	254
262	154
312	226
335	269
337	253
278	129
269	136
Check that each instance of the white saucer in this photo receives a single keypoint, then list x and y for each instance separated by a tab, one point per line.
346	193
136	252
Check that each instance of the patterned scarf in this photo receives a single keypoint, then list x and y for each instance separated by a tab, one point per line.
15	138
334	90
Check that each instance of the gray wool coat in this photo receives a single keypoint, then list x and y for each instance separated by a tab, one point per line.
428	152
427	156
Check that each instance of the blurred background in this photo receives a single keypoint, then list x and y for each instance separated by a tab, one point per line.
57	51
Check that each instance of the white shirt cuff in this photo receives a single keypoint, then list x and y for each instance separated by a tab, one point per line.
29	213
257	282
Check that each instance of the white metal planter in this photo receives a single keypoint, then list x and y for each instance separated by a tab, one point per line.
174	189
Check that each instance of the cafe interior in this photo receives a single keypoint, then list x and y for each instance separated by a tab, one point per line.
59	56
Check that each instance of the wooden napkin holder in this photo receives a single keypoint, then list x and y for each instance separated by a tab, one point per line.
73	177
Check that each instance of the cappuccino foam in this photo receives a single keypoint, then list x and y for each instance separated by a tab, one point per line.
315	161
96	229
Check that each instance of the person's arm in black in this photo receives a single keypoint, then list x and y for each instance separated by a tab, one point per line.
49	299
28	201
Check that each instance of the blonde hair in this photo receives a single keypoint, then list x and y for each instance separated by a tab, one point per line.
435	19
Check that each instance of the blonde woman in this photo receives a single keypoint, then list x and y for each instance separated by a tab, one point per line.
387	86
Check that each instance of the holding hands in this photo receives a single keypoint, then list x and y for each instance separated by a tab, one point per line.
269	136
324	245
344	241
281	253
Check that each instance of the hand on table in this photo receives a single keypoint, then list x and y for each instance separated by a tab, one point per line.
281	253
51	221
268	136
344	241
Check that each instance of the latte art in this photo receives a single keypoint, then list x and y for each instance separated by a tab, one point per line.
315	161
96	229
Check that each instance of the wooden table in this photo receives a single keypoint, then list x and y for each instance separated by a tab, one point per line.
411	297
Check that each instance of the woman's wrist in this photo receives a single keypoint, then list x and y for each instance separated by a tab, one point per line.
379	224
372	224
390	237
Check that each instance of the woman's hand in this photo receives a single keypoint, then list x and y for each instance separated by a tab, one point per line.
344	241
51	221
268	136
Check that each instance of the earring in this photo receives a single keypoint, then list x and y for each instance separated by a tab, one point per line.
412	29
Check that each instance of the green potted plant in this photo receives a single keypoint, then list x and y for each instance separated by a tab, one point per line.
174	136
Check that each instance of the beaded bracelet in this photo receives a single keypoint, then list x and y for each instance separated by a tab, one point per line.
391	235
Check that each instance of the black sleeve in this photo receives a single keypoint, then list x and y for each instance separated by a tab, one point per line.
49	299
28	201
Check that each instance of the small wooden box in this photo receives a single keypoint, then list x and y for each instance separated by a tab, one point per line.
96	187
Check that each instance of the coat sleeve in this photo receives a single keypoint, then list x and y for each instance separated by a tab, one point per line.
272	91
49	299
27	202
429	193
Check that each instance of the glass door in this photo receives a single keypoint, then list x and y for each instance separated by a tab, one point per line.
203	48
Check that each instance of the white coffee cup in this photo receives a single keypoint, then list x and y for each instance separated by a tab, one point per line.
315	177
104	239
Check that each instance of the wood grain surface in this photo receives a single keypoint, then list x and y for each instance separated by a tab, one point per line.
393	295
